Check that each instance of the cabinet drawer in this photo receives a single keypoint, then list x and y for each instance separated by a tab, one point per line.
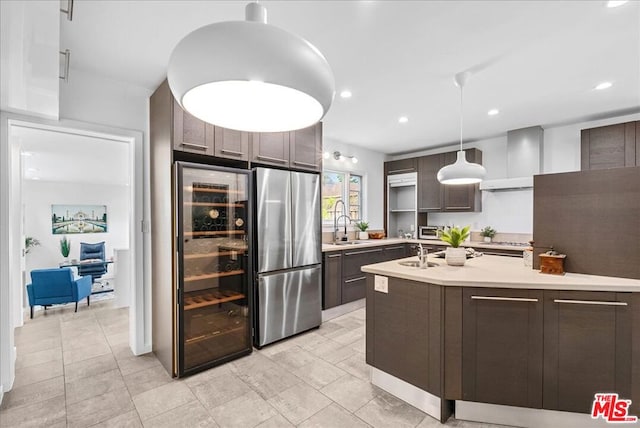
394	252
354	288
354	259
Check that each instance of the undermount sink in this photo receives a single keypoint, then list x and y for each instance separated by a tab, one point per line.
347	242
413	263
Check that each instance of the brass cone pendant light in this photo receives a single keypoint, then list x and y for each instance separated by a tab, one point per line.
251	76
461	172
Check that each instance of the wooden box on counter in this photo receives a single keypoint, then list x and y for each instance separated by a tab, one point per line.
553	264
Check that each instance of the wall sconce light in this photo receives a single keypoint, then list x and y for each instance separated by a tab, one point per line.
339	156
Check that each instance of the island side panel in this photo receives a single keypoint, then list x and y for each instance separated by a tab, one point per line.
369	305
452	350
635	354
404	334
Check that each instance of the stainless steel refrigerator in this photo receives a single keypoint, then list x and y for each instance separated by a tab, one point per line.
289	254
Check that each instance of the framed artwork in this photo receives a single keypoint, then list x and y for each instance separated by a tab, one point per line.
70	219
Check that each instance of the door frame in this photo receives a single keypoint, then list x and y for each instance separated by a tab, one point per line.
10	232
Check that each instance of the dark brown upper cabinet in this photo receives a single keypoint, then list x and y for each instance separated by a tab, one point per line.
190	134
306	148
430	191
502	346
401	166
270	148
465	197
612	146
231	144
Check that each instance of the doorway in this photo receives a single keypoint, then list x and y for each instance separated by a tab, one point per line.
45	161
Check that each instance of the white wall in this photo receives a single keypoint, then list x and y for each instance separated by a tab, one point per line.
371	166
512	211
94	99
38	196
91	98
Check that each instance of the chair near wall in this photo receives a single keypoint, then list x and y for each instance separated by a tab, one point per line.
93	256
54	286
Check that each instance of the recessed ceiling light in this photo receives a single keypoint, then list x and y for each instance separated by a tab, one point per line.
26	154
604	85
346	93
493	112
616	3
403	119
326	155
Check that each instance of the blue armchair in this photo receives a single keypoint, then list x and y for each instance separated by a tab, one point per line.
93	254
54	286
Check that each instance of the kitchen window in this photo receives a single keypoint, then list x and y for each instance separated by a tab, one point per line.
345	186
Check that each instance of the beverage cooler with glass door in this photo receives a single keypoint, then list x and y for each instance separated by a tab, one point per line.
213	261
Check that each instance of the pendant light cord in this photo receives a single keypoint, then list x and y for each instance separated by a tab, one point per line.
461	115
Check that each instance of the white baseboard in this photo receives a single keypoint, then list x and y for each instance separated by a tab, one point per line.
428	403
338	311
524	417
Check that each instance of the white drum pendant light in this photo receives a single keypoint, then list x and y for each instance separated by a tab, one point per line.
461	172
251	76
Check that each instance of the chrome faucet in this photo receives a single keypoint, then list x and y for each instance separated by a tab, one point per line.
422	256
336	219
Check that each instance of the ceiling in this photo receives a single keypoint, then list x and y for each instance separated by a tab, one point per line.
70	158
535	61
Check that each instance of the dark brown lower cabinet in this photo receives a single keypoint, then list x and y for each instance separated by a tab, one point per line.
587	348
502	346
332	279
404	332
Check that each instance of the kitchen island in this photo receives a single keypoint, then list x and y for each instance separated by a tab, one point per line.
507	344
343	281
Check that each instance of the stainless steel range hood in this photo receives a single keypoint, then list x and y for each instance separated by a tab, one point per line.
524	160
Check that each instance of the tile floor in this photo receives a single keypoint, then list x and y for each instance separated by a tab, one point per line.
76	370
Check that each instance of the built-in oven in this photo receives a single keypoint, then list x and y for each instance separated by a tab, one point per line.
430	232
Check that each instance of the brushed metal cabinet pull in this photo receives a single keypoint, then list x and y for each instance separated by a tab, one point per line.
504	299
67	58
334	255
268	158
355	279
394	248
362	252
68	10
312	165
590	302
231	152
400	170
195	146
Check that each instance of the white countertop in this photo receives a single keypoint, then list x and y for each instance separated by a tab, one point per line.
390	241
500	272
